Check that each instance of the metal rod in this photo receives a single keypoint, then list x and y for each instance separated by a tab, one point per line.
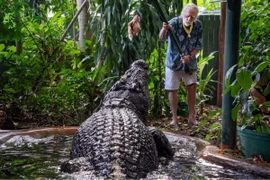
164	19
73	20
172	35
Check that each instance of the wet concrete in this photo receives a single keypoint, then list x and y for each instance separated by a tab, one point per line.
212	154
204	149
5	135
215	155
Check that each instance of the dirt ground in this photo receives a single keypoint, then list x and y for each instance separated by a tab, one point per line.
208	118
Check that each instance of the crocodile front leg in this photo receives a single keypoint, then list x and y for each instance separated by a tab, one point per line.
162	143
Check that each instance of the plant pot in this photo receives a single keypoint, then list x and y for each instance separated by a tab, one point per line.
254	143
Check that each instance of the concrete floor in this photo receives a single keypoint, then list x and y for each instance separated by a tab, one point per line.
215	155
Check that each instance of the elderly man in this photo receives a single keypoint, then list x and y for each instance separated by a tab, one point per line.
188	32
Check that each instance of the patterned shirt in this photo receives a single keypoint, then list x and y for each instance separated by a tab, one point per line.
187	44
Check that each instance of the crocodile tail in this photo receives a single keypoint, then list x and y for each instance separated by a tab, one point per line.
117	174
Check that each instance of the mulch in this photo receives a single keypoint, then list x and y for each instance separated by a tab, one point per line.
202	130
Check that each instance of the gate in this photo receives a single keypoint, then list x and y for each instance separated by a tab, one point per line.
211	24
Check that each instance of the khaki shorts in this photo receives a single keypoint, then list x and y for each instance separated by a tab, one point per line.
173	79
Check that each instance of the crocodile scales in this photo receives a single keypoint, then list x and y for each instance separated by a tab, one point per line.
114	142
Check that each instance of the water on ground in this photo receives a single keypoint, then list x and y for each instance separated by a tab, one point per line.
23	157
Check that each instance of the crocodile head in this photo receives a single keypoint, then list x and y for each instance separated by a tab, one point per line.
131	91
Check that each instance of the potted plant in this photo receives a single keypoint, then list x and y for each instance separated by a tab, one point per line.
253	131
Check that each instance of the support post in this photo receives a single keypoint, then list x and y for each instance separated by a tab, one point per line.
223	5
231	58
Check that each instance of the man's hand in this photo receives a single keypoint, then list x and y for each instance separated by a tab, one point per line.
166	26
163	31
186	59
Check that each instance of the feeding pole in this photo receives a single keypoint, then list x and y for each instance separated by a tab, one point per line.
232	31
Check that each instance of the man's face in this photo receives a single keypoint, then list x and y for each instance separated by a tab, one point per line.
189	16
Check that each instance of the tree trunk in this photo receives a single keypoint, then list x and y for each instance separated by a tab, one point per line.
19	44
83	19
194	1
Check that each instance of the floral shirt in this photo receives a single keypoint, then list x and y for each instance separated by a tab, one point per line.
186	43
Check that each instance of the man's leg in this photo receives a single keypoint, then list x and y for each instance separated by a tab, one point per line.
173	102
172	82
191	99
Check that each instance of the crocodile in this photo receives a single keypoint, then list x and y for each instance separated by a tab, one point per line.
114	142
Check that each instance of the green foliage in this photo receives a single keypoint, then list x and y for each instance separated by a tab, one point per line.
9	20
48	80
53	79
255	28
54	83
159	100
240	89
214	131
254	58
208	4
204	87
109	24
14	11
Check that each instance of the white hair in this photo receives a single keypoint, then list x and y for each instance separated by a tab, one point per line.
190	6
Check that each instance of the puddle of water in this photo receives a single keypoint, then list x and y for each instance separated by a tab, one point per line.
23	157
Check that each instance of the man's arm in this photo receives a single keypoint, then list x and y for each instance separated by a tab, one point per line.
194	52
163	34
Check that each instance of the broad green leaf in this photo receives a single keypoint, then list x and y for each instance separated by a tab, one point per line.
261	67
2	47
235	111
12	48
214	126
229	75
235	89
244	78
